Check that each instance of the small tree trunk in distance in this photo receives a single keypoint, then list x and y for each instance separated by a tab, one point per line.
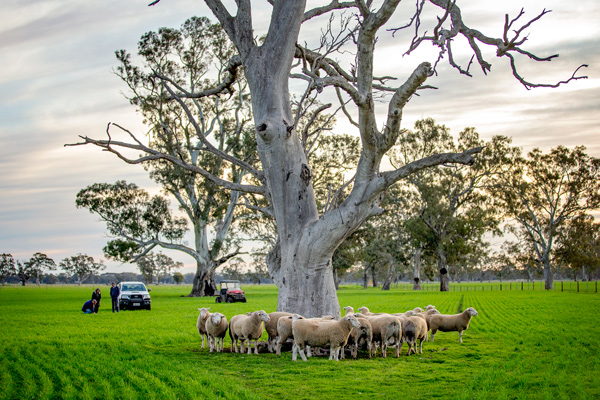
417	269
373	277
388	278
365	278
548	277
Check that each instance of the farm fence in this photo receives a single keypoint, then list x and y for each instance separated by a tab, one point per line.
559	286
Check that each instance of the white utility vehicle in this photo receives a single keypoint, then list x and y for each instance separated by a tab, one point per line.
134	295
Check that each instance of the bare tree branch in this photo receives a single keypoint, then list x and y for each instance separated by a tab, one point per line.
334	5
390	177
107	145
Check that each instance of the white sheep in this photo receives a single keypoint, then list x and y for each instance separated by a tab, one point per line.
414	329
319	332
244	328
201	323
429	307
365	311
427	316
284	331
359	336
451	323
271	327
387	332
216	327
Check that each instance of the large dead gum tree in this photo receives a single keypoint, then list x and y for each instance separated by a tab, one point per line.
300	263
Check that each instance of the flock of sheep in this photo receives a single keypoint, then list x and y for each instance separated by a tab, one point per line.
364	329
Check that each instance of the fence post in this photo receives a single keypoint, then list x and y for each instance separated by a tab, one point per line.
596	287
521	285
577	286
500	286
561	286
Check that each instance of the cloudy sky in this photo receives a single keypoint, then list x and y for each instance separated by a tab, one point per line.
56	82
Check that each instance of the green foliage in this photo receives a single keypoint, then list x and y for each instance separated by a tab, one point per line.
7	266
445	210
542	192
81	265
156	266
131	215
514	348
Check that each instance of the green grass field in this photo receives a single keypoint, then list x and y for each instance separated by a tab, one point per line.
522	345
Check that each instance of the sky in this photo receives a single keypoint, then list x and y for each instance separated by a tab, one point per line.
57	82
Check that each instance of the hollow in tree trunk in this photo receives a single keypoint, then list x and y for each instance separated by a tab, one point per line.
204	281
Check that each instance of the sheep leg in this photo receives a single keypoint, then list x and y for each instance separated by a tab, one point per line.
210	344
421	346
294	352
301	351
256	346
460	336
369	347
432	335
308	351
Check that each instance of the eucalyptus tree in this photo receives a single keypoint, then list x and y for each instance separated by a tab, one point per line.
195	57
82	266
578	246
137	221
450	202
34	267
306	239
156	266
542	192
7	267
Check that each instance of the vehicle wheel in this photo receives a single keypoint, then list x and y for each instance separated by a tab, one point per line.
218	300
230	299
243	300
149	308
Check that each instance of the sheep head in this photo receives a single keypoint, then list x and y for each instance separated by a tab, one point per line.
349	310
364	310
263	315
216	318
471	311
353	321
204	312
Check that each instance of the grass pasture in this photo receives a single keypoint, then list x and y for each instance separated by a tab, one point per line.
522	345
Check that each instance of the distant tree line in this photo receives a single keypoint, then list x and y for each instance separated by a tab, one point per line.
154	268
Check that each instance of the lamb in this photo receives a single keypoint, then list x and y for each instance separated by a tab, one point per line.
271	327
451	323
244	328
201	323
216	327
414	329
418	309
309	332
429	307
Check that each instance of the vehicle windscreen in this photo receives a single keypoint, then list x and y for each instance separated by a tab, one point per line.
231	285
134	288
